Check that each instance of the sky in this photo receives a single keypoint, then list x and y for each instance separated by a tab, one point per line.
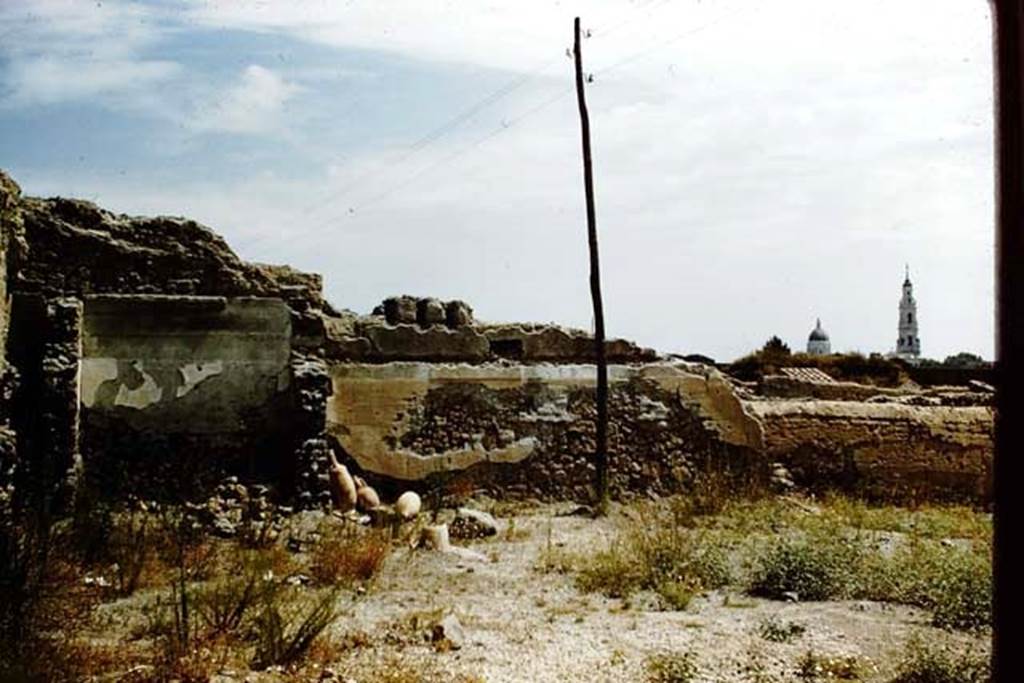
758	164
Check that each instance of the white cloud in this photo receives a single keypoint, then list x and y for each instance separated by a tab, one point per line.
67	51
49	80
757	167
255	104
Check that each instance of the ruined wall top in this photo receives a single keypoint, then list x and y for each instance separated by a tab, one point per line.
74	248
77	248
408	328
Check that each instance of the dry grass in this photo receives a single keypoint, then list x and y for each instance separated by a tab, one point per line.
818	550
677	667
345	555
931	663
817	667
653	553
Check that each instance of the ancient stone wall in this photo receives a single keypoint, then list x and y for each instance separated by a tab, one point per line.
779	386
45	347
185	384
187	351
10	235
145	348
430	330
528	430
884	450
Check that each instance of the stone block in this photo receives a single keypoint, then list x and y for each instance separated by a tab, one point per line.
430	312
458	314
399	310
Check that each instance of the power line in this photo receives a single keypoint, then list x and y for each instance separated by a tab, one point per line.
464	116
464	150
488	100
437	133
505	126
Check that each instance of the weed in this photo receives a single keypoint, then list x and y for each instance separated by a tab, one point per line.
347	554
131	547
677	594
285	634
257	530
652	555
735	602
671	668
932	521
757	668
188	552
963	593
955	583
224	603
815	667
778	631
818	566
615	572
44	595
929	663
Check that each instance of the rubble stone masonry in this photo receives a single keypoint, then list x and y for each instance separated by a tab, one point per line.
149	353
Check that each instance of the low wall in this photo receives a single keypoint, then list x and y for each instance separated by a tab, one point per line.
183	387
528	430
780	386
884	450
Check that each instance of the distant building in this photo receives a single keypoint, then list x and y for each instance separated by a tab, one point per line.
908	344
818	343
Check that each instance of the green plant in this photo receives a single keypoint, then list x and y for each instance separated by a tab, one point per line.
224	603
931	663
677	667
955	583
675	562
963	593
819	566
677	594
615	572
778	631
815	667
284	634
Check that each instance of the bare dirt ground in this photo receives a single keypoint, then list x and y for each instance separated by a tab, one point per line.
524	621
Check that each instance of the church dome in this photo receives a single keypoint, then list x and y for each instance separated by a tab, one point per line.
818	334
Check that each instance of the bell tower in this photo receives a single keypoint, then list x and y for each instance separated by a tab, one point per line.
908	344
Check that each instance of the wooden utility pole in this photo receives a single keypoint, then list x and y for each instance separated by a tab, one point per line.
601	441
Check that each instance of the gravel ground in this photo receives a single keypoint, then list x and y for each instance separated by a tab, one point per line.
524	624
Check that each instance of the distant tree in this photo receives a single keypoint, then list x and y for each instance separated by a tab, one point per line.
964	360
775	347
